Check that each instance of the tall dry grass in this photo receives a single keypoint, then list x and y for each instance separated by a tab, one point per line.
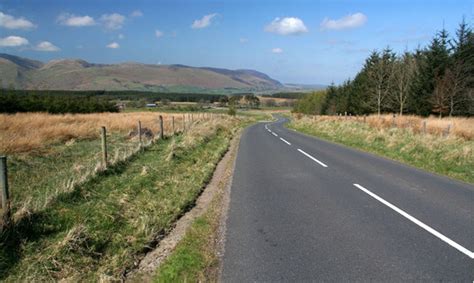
459	126
30	132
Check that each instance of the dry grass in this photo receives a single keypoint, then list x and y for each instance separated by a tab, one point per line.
459	127
31	132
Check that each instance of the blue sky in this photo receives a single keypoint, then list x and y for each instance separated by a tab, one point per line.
292	41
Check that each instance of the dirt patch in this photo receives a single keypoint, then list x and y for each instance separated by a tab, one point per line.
219	184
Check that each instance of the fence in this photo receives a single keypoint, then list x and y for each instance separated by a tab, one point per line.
141	136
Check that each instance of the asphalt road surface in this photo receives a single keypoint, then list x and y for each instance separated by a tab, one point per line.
304	209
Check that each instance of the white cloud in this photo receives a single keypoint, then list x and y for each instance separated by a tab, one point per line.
75	21
113	45
204	22
159	33
347	22
112	21
13	41
46	46
243	40
11	22
136	13
286	26
121	36
277	50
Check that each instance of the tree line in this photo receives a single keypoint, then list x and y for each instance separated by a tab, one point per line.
59	101
437	79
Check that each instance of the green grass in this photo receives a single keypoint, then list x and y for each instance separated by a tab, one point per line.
195	259
451	156
37	178
98	230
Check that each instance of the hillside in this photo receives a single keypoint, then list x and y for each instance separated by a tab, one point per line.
73	74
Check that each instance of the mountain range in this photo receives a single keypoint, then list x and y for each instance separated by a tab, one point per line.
76	74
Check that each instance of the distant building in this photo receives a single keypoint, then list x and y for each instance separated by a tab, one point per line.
151	105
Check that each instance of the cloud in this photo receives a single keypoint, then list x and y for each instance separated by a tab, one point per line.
347	22
13	41
46	46
277	50
112	21
159	33
11	22
204	22
75	21
121	36
243	40
286	26
136	14
113	45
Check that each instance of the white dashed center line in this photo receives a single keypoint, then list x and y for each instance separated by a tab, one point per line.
312	158
285	141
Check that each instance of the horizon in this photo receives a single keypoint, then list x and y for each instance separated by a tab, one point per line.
299	42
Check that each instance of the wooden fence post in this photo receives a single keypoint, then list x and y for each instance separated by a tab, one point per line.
139	129
448	129
184	123
424	127
5	192
393	121
104	146
172	124
162	134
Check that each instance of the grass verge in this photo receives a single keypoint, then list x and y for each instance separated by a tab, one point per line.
450	156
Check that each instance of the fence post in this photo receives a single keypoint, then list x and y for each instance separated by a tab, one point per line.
448	130
365	118
424	127
162	134
5	192
104	146
139	129
172	123
184	123
393	121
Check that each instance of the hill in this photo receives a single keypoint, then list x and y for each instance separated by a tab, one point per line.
74	74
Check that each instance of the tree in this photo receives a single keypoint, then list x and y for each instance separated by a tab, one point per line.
440	97
379	70
404	70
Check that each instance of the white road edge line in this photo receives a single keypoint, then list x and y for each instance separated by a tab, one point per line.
419	223
285	141
274	134
314	159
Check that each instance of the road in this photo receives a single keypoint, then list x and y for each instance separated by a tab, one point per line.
304	209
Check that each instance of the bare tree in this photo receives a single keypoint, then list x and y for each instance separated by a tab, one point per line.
404	70
380	74
441	95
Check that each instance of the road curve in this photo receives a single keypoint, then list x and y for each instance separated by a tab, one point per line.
304	209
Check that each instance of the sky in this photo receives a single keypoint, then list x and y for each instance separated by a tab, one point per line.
307	42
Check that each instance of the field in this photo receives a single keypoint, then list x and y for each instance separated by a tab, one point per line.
403	138
72	219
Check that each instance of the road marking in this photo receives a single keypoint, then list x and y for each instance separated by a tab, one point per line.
314	159
419	223
274	134
285	141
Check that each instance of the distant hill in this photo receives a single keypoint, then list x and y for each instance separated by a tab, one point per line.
73	74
